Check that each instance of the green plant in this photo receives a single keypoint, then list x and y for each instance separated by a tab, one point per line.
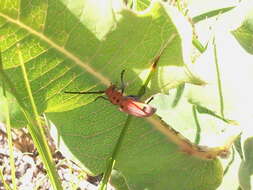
84	45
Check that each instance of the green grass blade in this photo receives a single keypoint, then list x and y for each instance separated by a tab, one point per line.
34	127
9	137
218	78
141	91
112	160
211	14
6	186
38	135
10	144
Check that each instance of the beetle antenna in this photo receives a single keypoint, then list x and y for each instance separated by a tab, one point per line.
89	92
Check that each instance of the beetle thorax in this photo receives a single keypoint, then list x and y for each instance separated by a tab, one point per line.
114	95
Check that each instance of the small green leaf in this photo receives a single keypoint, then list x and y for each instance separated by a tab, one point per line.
238	147
244	34
204	110
246	167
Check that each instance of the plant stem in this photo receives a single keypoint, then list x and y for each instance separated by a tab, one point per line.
6	186
9	136
10	144
111	161
230	162
218	78
195	116
34	127
180	90
37	132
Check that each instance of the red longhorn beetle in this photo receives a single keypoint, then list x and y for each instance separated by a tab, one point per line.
128	104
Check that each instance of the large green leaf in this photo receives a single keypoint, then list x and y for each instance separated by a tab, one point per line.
68	46
147	159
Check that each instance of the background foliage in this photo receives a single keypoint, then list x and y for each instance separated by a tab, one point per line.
84	45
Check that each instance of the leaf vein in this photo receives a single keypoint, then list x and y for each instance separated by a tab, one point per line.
78	61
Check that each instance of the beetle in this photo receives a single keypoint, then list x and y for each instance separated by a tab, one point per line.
128	104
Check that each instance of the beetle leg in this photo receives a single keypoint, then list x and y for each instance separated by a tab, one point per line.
101	97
